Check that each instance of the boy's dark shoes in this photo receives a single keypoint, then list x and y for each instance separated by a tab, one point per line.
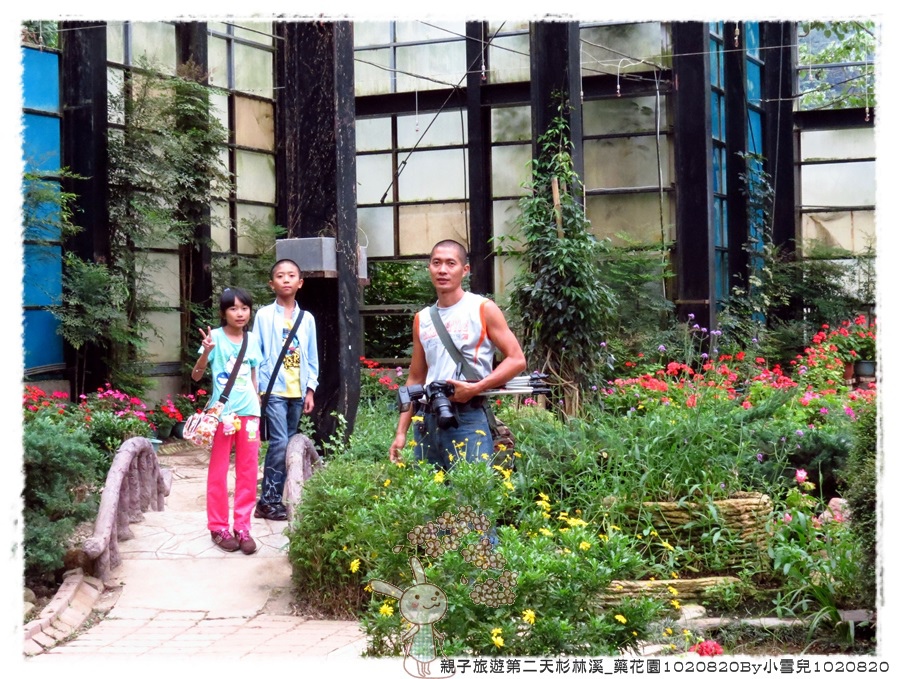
225	540
247	544
276	512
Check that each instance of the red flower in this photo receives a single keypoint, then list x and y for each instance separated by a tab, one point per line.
706	648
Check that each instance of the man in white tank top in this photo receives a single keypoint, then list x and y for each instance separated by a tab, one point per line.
477	327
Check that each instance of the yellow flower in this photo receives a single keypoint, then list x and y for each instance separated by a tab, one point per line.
516	454
496	631
576	522
563	529
528	616
354	565
501	447
667	545
546	531
563	515
386	610
566	550
585	545
412	443
387	482
603	537
672	590
460	444
686	632
450	457
498	641
621	618
672	646
439	476
634	633
368	588
674	575
418	418
480	432
484	456
508	485
675	604
613	527
652	578
654	534
667	632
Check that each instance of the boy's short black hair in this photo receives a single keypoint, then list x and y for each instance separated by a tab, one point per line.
285	261
450	243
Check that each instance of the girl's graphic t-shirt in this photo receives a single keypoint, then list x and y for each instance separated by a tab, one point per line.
243	399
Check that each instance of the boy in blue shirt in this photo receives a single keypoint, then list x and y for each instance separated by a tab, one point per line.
293	387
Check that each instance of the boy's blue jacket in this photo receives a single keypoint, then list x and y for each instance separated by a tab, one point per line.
269	330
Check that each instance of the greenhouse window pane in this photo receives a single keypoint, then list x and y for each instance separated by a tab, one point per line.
754	132
373	178
625	162
42	139
645	40
371	74
43	275
511	123
754	78
413	31
434	175
509	59
220	226
449	128
247	215
837	144
421	226
253	71
115	88
166	346
218	105
444	62
371	33
162	271
636	215
40	90
510	168
254	123
154	41
255	31
115	42
850	184
629	114
751	38
510	26
42	344
255	176
373	134
218	62
505	213
377	227
853	230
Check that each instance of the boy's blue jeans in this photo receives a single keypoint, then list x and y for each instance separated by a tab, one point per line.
283	418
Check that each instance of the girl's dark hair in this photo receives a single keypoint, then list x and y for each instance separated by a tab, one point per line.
229	295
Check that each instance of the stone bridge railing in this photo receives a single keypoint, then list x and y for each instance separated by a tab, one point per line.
134	484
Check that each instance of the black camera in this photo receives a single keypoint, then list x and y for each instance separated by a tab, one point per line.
437	395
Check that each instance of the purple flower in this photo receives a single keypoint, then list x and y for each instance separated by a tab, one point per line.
824	411
602	345
704	355
702	329
759	457
754	340
661	347
593	387
399	371
690	317
721	485
799	432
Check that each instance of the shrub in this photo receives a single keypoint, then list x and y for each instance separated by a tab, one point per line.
861	473
63	472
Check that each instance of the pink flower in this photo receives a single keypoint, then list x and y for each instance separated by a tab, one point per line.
708	647
788	518
800	476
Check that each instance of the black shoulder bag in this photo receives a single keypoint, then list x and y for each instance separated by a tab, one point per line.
504	443
264	401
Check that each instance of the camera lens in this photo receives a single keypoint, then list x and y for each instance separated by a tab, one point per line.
446	413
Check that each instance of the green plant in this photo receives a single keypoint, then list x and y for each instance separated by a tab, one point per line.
63	471
389	335
837	61
861	475
561	302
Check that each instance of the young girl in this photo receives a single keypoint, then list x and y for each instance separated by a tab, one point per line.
239	421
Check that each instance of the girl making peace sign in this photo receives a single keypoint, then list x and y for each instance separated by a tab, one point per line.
239	421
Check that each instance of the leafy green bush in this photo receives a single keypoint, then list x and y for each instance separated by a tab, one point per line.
63	472
861	473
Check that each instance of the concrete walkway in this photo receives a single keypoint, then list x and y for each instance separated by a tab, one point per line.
180	597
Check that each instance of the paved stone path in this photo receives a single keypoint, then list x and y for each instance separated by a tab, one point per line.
181	598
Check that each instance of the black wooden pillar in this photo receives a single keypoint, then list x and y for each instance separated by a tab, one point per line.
316	169
693	173
735	144
556	68
777	41
195	261
479	148
85	153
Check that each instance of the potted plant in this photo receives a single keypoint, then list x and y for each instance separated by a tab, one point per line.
854	342
164	416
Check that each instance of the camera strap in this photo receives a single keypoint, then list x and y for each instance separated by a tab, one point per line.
467	370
